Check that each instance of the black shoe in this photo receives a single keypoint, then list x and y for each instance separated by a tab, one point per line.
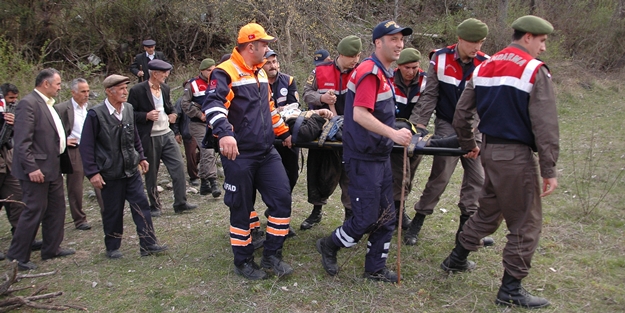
23	266
152	249
511	293
412	234
184	207
384	275
250	270
62	252
194	182
405	222
328	251
457	260
84	226
36	245
291	233
115	254
275	262
154	211
214	188
348	214
488	241
314	218
258	238
205	187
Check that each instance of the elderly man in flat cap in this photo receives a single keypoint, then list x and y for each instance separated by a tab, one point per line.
409	82
153	113
513	95
450	69
326	87
192	100
140	65
111	154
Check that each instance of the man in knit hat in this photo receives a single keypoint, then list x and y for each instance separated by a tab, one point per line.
192	100
326	88
408	81
449	70
517	121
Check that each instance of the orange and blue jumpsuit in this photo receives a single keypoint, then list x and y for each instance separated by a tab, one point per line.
238	104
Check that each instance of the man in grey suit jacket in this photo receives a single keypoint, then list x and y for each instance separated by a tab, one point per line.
140	65
73	114
39	142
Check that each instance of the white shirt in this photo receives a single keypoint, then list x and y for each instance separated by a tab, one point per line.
80	114
112	109
57	121
150	56
160	126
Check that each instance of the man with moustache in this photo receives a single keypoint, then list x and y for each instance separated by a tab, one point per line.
192	100
39	141
368	136
112	154
239	111
409	82
450	68
326	88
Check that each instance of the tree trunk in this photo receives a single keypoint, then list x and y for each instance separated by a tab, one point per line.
503	13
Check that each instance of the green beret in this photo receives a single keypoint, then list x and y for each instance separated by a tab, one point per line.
409	55
472	30
533	25
349	46
206	63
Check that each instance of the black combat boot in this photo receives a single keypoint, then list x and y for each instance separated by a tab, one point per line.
457	260
511	293
258	238
405	222
314	218
214	188
205	187
412	234
328	251
280	268
486	241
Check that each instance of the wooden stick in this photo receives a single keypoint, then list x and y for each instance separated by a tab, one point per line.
400	217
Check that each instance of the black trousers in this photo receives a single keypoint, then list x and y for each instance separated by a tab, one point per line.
115	193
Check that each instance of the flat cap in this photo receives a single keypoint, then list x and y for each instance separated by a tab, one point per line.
159	65
114	80
320	56
472	30
533	25
270	53
389	27
206	63
149	43
349	46
409	55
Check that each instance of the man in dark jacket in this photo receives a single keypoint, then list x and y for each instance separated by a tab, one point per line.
111	152
153	113
140	65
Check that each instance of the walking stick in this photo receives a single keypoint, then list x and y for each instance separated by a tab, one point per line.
401	214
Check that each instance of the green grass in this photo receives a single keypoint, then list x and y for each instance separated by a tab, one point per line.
579	265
